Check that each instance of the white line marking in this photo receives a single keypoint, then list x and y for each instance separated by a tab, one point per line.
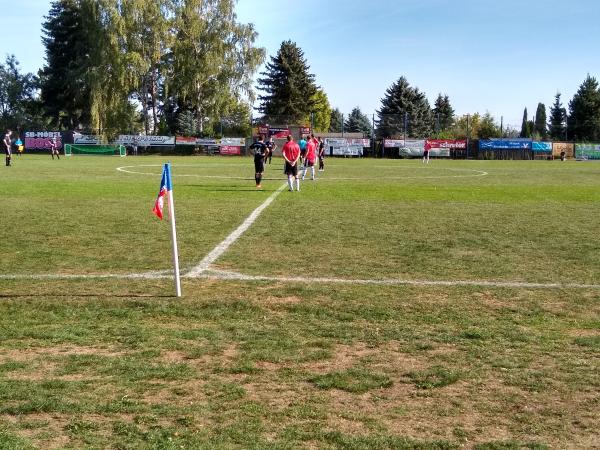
234	276
223	246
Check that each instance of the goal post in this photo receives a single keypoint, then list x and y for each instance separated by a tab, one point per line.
94	149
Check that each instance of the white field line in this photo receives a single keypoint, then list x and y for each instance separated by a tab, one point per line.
234	276
229	240
225	275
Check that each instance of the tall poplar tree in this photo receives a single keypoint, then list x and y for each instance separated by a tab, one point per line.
558	119
540	121
289	87
525	128
321	114
401	102
584	112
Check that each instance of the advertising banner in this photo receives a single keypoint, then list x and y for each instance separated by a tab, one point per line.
230	150
86	139
233	142
182	140
41	140
279	133
442	147
207	141
505	144
263	129
412	148
393	143
587	151
346	147
145	141
541	147
559	147
304	130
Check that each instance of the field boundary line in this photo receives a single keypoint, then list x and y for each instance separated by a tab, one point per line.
215	274
234	236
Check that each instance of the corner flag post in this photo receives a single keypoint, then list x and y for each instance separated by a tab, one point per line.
167	168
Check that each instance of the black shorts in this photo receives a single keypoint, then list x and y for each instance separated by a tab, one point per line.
291	170
259	166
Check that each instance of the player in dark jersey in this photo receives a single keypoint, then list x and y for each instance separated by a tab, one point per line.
321	155
271	146
260	152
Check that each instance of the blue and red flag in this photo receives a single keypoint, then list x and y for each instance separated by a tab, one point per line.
165	187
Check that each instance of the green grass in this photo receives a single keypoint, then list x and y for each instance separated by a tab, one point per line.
121	363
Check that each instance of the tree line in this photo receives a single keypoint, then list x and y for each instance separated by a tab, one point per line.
187	67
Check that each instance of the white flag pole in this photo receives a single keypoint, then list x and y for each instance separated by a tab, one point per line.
173	232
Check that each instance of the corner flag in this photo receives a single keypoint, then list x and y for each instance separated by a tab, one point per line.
165	187
166	190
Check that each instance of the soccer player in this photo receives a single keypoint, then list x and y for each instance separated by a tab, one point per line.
426	156
291	154
7	142
302	144
260	153
271	146
321	155
54	148
311	156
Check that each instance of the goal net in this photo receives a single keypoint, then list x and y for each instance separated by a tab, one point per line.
91	149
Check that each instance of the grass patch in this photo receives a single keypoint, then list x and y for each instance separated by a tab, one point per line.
435	377
357	381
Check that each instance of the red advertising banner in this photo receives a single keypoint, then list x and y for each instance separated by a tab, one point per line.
447	144
304	130
279	133
230	150
183	140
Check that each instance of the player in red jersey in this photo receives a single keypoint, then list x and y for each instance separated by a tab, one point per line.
291	154
311	156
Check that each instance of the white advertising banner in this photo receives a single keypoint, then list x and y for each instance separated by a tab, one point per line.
86	139
145	141
233	142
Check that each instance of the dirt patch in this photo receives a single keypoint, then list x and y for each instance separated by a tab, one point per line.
27	354
279	301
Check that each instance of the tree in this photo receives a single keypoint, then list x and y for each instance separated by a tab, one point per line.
540	121
336	121
321	114
288	85
357	122
558	119
488	127
404	109
525	128
17	96
65	88
213	58
584	112
443	114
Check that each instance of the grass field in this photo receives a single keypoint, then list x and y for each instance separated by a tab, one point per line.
389	304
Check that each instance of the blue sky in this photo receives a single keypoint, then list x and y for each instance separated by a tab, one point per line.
496	56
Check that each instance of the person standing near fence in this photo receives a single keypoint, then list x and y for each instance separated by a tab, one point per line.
7	142
321	155
260	153
426	156
302	144
271	146
291	154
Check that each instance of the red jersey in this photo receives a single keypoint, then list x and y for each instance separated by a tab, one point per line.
311	151
291	151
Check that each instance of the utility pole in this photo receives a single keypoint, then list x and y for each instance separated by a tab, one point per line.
467	136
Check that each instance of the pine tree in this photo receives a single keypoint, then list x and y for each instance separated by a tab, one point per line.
443	114
65	89
336	121
558	119
404	105
358	122
540	121
288	85
584	112
525	129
